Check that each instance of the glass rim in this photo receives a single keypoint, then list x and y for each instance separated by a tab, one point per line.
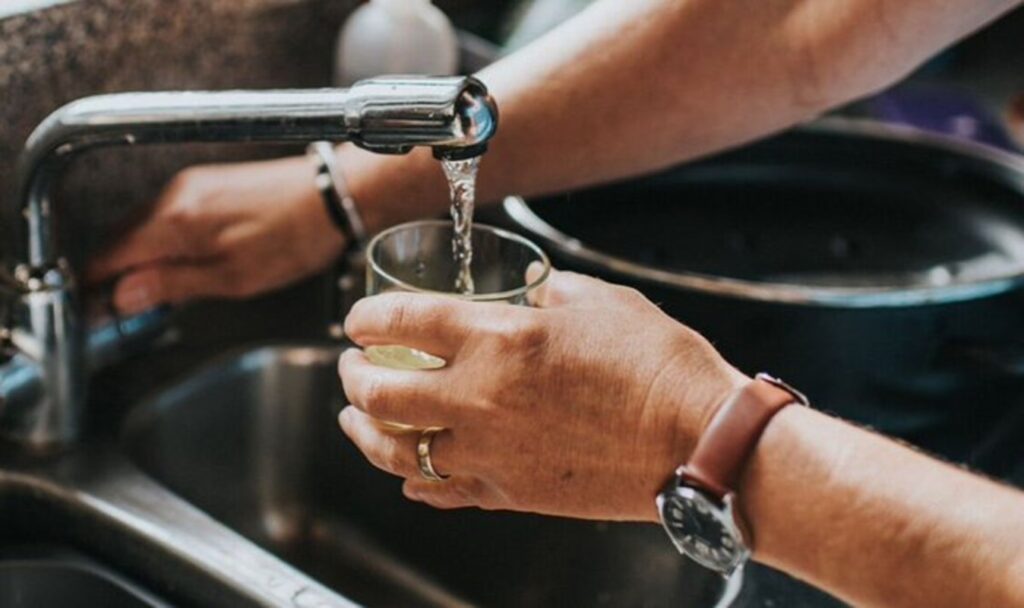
476	297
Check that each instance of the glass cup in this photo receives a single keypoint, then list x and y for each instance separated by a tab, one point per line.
418	257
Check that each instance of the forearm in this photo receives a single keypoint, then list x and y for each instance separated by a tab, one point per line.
629	87
879	524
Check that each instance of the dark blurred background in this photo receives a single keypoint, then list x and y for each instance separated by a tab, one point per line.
60	51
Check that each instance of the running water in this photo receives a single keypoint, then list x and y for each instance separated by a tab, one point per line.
461	176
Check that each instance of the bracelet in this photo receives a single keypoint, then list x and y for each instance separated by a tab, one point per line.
341	206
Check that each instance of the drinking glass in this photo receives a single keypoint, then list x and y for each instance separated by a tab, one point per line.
418	257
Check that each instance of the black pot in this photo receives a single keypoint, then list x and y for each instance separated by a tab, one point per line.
878	270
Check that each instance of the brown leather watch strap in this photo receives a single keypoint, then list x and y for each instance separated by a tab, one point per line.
722	451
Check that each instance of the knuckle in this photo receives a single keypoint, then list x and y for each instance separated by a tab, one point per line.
374	396
526	333
156	284
183	218
468	490
355	314
437	501
397	315
220	241
533	333
448	499
195	175
390	456
487	502
184	208
631	295
345	361
180	183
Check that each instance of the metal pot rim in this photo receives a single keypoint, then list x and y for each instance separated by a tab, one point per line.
785	293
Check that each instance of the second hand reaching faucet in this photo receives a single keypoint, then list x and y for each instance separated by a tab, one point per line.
42	382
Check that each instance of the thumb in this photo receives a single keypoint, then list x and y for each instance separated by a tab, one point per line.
562	288
149	287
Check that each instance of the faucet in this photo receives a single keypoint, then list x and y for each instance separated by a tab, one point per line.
44	344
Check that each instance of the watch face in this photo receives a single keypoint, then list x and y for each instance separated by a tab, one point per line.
702	529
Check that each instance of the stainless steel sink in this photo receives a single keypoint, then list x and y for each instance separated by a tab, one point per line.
51	575
253	441
88	527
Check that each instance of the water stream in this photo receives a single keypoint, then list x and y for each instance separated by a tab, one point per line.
461	176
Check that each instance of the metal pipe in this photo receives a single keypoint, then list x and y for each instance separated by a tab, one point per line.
454	116
21	382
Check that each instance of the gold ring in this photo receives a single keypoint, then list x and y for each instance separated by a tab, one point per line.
427	469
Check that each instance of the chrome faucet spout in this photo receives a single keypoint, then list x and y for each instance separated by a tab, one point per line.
454	116
395	114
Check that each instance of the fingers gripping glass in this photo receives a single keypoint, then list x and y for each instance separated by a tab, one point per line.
417	257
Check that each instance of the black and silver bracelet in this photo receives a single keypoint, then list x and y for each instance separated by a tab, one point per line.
341	206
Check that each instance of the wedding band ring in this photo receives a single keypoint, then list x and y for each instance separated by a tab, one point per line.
427	469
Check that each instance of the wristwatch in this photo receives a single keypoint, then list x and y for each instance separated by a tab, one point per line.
698	505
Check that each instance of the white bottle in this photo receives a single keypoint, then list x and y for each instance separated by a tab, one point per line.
395	37
534	18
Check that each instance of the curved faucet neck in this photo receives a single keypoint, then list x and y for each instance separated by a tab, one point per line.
453	115
391	115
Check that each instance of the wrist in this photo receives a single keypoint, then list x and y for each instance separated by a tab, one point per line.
697	403
700	508
317	236
388	189
690	404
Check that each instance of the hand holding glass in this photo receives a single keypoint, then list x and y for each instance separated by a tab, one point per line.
417	257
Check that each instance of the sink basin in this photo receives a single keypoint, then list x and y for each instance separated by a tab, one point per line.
47	575
85	527
42	560
253	441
